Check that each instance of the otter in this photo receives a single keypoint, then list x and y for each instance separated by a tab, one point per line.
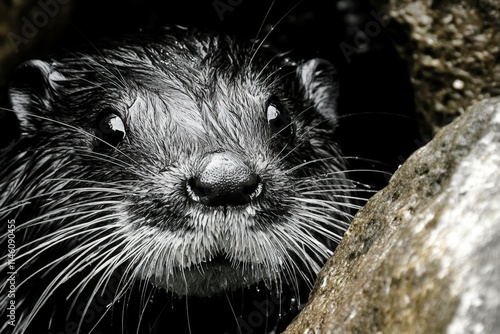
181	181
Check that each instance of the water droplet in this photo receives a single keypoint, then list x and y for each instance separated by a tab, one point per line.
458	84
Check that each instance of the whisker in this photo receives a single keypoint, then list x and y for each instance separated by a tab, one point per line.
262	25
272	29
234	313
269	62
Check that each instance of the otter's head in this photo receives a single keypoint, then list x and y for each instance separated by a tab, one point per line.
195	164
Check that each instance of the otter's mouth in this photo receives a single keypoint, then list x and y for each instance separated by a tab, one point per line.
211	277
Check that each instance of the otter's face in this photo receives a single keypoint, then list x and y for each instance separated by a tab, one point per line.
197	170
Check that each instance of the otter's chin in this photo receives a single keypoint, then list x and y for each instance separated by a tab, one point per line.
211	278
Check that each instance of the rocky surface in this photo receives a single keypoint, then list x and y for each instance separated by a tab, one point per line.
423	255
452	49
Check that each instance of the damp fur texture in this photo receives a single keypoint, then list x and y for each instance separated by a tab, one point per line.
88	212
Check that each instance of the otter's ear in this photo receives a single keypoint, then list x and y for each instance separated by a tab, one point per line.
31	90
319	80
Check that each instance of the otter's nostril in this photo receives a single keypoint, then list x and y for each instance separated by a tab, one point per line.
250	186
198	188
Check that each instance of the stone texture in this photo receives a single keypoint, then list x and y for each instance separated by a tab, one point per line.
452	49
423	255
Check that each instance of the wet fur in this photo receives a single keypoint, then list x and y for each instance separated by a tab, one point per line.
95	221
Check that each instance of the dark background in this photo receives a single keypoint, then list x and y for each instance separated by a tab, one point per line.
376	107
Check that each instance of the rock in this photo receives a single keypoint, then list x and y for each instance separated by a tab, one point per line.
423	255
452	50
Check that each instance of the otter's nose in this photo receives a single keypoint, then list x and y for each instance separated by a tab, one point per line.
224	180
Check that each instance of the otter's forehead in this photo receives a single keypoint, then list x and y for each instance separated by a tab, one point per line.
205	96
200	64
190	120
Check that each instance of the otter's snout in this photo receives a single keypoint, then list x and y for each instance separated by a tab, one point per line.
224	180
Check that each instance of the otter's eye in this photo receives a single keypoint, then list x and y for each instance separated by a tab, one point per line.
279	119
109	128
